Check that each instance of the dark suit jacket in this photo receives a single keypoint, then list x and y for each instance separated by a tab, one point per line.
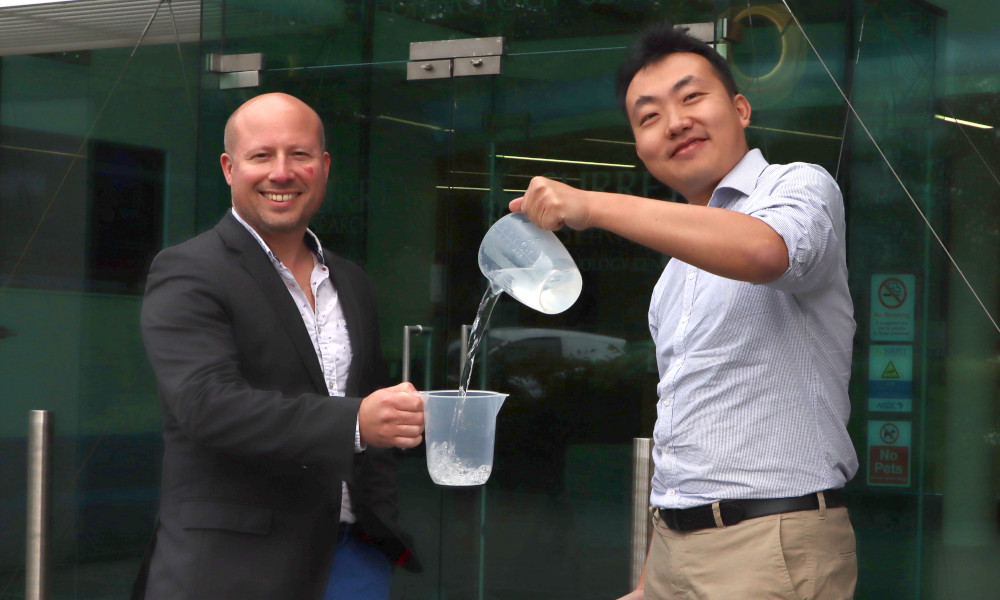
254	448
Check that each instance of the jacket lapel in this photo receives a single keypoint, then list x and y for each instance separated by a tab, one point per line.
255	262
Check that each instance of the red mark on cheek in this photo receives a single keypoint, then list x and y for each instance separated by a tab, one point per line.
310	171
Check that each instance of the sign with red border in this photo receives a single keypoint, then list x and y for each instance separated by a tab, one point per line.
889	453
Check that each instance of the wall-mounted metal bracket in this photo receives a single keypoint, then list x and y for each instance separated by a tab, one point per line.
703	31
711	33
455	58
236	70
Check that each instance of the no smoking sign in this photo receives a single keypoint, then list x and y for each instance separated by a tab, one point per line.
892	307
892	293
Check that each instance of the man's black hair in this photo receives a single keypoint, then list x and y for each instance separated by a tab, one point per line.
656	42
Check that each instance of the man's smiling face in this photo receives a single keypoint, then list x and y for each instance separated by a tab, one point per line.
688	130
277	167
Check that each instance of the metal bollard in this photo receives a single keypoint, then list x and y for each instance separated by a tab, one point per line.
642	473
39	505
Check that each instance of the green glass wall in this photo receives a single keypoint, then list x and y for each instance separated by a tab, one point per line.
109	154
98	147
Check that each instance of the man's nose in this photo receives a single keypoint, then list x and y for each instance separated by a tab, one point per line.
281	169
677	123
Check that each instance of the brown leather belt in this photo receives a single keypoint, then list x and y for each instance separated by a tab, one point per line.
735	511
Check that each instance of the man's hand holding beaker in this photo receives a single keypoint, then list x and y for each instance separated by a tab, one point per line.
392	417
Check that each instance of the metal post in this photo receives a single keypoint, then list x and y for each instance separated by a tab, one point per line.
642	473
39	505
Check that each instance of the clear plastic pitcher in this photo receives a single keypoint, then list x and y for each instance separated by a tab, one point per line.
459	434
530	264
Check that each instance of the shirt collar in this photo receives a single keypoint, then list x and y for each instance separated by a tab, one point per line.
312	242
742	178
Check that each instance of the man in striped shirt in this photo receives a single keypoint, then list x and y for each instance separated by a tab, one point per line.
753	324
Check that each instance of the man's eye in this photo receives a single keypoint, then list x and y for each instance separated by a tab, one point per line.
646	117
692	95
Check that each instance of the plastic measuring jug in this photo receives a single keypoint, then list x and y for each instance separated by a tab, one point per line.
530	264
459	433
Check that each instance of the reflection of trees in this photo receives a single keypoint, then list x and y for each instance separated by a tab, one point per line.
555	402
530	19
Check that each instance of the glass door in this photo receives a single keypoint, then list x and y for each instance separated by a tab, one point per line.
581	383
553	520
421	170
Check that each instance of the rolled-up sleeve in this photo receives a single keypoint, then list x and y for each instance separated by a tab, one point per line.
805	208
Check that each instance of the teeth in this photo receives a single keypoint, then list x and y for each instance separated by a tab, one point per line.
279	197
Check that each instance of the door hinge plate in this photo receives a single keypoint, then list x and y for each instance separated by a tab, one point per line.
455	58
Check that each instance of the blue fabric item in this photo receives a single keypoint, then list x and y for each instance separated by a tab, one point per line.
360	571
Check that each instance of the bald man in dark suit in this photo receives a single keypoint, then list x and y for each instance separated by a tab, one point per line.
278	477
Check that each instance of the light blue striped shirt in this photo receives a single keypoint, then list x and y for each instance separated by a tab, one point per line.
753	396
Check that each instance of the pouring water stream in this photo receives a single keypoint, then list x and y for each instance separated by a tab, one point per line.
532	266
476	334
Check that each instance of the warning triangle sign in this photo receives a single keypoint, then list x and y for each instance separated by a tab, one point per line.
890	372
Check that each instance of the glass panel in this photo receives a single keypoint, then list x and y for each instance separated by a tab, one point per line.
892	256
94	144
922	211
580	382
561	467
566	24
924	388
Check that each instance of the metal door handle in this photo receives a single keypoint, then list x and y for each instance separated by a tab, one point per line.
417	330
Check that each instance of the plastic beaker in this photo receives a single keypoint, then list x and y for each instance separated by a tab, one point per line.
530	264
460	432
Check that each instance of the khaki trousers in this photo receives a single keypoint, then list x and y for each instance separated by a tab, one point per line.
805	555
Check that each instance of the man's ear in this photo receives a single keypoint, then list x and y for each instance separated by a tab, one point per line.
742	106
227	167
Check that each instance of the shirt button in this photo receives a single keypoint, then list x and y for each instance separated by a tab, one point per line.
671	492
690	275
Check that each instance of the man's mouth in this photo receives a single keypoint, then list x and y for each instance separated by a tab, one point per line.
274	197
685	146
